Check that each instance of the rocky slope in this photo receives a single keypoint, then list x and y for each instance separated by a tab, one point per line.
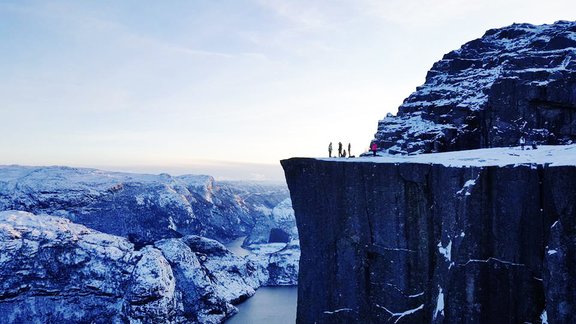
514	81
483	236
52	270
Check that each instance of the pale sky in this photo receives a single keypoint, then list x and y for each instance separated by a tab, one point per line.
193	86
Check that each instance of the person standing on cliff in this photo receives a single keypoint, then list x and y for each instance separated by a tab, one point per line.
374	148
339	149
330	149
522	142
349	150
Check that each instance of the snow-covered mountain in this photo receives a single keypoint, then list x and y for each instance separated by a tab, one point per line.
97	246
52	270
514	81
142	207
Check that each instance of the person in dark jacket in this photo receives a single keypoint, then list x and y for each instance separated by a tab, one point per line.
339	149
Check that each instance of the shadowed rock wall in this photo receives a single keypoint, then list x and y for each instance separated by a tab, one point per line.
428	243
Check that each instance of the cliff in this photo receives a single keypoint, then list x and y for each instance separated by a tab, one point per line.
514	81
471	236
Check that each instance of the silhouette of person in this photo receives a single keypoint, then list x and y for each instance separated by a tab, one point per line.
374	148
339	149
330	149
344	153
522	142
349	150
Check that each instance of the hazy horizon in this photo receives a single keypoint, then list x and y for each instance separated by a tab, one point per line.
220	170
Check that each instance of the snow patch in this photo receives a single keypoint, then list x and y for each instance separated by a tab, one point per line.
550	155
416	295
467	188
555	223
263	210
401	314
338	311
544	317
439	304
494	259
446	251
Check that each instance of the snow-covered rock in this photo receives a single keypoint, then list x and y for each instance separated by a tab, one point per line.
278	226
54	270
175	274
515	81
277	262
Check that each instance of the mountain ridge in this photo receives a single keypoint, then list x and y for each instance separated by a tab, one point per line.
514	81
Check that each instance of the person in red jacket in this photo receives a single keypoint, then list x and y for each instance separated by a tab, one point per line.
374	148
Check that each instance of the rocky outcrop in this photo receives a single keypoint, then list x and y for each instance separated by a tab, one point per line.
279	262
431	243
52	270
514	81
145	208
278	226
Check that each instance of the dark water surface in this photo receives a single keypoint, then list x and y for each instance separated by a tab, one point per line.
270	305
236	247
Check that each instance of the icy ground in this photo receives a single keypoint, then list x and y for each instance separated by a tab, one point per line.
554	155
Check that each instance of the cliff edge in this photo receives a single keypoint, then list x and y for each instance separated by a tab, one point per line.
470	236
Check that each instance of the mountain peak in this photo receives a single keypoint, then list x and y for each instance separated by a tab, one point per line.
514	81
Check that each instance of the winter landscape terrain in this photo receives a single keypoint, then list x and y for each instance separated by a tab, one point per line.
478	230
98	246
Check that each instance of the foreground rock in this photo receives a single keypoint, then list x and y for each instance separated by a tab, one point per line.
57	271
514	81
439	238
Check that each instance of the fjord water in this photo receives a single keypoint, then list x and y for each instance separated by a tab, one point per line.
269	305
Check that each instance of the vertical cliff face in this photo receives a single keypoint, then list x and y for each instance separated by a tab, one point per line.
424	242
